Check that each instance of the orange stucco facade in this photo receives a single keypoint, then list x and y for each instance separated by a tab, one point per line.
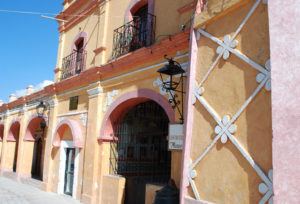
221	160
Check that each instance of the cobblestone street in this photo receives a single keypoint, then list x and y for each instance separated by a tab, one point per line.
12	192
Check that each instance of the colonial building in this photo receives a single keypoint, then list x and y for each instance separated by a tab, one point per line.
110	130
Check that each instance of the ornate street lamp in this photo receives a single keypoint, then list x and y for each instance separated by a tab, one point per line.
171	83
41	108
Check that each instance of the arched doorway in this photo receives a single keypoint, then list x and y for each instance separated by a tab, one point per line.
38	151
35	145
13	144
139	150
68	136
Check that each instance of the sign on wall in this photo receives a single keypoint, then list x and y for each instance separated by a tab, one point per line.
175	137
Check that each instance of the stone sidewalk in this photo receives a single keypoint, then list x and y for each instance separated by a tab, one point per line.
12	192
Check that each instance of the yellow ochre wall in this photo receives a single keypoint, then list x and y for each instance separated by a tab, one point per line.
224	175
101	23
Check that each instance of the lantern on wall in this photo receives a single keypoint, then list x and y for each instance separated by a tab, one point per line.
41	109
173	83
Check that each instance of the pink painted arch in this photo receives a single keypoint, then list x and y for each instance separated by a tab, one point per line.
125	102
135	5
75	129
14	129
32	125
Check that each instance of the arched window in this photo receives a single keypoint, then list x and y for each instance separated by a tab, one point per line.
79	56
138	30
75	62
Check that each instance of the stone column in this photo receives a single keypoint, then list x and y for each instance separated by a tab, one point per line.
3	165
91	158
48	160
21	166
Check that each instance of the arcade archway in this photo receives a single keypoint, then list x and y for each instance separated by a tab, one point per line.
35	146
141	149
13	144
137	127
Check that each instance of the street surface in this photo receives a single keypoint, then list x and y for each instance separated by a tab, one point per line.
12	192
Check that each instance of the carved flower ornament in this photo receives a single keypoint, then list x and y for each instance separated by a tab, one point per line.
219	129
261	76
229	43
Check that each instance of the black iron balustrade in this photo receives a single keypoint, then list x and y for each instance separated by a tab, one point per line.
139	32
73	64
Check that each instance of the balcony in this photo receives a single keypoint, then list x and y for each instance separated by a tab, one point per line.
73	64
133	35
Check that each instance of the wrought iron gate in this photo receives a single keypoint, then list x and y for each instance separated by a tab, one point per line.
140	151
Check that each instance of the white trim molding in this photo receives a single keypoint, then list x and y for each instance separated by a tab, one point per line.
109	99
94	92
62	167
72	113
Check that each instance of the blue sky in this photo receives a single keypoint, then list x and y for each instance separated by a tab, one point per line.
28	48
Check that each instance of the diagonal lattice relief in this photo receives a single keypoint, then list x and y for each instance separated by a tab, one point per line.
225	127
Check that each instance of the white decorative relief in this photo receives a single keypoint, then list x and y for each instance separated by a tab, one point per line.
53	103
162	91
223	49
266	188
83	118
261	76
197	91
225	127
109	99
60	119
95	92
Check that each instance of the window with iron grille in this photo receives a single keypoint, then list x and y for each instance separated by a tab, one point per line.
73	103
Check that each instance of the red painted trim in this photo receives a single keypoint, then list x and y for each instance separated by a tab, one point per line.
57	70
108	139
100	49
80	16
125	63
66	1
32	125
75	129
187	7
128	100
72	8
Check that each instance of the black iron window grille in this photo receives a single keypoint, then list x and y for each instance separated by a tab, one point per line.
139	149
73	64
133	35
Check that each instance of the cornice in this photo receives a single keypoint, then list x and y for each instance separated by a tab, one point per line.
71	9
80	16
141	56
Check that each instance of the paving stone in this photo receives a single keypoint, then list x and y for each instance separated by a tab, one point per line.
12	192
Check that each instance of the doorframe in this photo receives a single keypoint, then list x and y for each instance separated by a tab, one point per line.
62	167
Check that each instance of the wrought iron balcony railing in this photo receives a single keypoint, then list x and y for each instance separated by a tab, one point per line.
73	64
133	35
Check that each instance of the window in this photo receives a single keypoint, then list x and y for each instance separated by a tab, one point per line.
73	103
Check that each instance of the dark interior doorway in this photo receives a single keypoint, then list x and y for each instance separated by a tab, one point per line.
142	149
16	154
16	131
38	151
140	21
69	171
